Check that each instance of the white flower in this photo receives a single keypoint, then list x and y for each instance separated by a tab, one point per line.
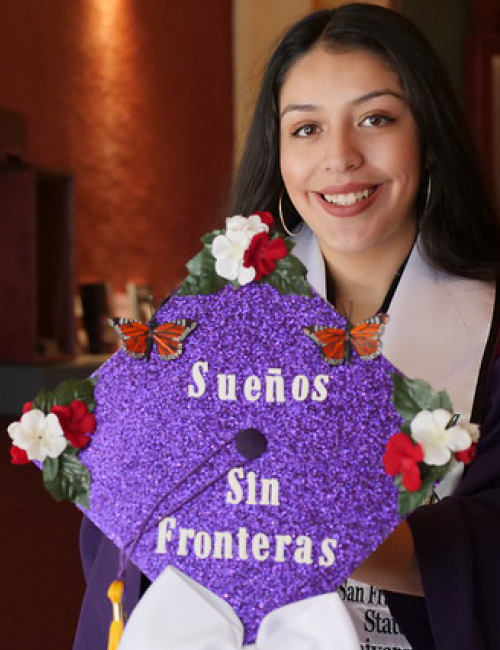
39	435
429	429
229	249
251	225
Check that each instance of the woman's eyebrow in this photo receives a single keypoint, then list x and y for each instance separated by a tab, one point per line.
378	93
298	107
358	100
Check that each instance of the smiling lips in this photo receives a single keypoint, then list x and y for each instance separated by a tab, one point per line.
348	200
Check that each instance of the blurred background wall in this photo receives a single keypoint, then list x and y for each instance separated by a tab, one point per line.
145	106
135	100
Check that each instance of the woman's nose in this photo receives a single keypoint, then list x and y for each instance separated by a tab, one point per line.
342	151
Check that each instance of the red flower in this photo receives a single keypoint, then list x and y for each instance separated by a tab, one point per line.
266	218
76	422
263	253
402	457
467	455
18	456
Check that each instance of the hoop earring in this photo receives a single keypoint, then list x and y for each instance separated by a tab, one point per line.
289	232
428	194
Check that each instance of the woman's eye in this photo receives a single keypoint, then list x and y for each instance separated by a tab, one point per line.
377	120
306	130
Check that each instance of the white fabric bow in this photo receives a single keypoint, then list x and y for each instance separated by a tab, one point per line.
177	613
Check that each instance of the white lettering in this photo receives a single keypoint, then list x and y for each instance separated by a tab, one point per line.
282	541
275	386
242	536
165	533
328	557
271	388
237	492
320	383
303	552
251	500
252	388
185	534
225	545
260	547
223	540
202	545
199	388
300	388
270	492
226	387
269	489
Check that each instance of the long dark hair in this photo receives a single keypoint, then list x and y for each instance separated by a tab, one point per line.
459	229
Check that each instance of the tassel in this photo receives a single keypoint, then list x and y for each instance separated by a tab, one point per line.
115	593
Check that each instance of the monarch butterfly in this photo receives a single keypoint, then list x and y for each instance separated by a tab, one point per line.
137	338
337	344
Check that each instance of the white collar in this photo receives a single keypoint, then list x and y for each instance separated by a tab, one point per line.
438	324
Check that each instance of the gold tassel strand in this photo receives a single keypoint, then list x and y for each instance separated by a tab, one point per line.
115	593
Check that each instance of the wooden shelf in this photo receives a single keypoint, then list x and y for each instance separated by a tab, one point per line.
36	274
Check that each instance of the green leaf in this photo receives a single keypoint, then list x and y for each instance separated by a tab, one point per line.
44	401
405	428
431	474
202	278
68	479
65	393
291	264
211	284
408	501
413	395
201	285
441	401
210	236
289	277
75	389
201	261
50	468
188	287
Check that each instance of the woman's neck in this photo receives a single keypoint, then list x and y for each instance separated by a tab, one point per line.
358	283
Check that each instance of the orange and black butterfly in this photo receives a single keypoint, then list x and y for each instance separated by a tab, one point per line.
337	344
138	339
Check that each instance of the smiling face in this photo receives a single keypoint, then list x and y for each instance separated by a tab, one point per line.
350	152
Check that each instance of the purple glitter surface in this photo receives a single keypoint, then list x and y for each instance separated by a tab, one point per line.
291	524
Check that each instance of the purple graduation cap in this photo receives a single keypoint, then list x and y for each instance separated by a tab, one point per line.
250	460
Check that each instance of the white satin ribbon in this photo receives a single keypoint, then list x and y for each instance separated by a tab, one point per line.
177	613
438	323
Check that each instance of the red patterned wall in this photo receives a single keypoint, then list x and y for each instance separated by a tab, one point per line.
135	98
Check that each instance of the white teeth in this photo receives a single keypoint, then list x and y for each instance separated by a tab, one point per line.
348	199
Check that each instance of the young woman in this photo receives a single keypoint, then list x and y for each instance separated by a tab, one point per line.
357	135
359	146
